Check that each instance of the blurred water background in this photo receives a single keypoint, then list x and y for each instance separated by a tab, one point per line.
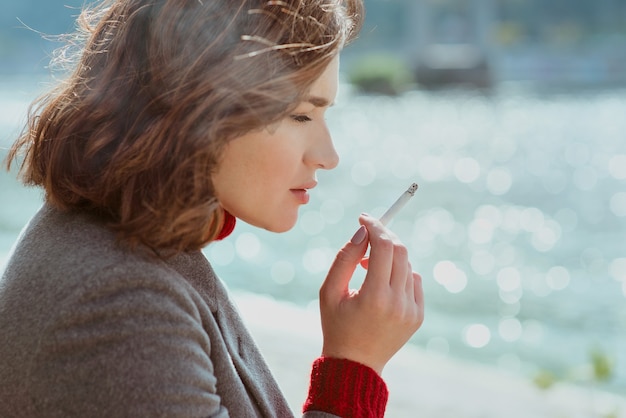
519	225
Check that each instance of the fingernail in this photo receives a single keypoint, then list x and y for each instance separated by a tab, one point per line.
359	236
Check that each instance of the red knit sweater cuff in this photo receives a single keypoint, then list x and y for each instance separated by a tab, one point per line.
347	389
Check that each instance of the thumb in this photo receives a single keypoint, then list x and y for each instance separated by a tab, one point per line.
336	283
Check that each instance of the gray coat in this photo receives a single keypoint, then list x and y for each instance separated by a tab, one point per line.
90	330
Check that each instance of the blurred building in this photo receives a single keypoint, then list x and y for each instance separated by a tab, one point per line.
558	42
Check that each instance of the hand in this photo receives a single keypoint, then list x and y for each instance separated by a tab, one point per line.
371	324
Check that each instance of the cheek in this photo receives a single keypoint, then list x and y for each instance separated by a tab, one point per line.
277	163
245	178
258	162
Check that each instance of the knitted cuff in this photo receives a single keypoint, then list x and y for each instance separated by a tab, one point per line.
347	389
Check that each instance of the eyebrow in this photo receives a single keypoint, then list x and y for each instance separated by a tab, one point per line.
318	101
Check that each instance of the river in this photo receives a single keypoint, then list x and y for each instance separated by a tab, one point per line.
518	227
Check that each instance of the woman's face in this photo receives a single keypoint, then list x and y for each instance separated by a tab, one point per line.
264	176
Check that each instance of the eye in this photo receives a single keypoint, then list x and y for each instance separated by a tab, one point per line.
301	118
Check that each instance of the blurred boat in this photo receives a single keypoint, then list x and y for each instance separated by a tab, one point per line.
441	65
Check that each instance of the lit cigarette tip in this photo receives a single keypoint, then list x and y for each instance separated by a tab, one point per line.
398	204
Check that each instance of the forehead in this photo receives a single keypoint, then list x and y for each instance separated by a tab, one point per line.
324	89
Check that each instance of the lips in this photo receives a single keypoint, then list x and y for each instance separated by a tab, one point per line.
302	193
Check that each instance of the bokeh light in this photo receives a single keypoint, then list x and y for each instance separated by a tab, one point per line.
585	178
483	262
317	260
223	252
499	181
476	335
447	274
283	272
618	204
617	166
510	329
311	222
332	211
467	170
432	168
558	278
509	279
480	231
248	246
363	173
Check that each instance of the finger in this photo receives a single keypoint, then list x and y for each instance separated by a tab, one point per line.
336	283
410	284
400	267
418	290
381	255
419	299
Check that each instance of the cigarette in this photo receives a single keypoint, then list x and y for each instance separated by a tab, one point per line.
398	204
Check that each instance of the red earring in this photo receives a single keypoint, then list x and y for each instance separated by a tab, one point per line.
228	227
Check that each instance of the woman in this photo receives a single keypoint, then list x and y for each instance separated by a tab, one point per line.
179	117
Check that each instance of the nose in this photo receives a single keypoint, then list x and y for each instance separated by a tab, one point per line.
322	153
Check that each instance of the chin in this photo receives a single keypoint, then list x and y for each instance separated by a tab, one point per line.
273	225
282	227
282	224
276	222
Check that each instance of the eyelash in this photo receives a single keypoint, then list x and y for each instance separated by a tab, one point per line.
301	118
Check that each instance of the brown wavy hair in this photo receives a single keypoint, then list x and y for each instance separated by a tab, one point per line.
158	87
